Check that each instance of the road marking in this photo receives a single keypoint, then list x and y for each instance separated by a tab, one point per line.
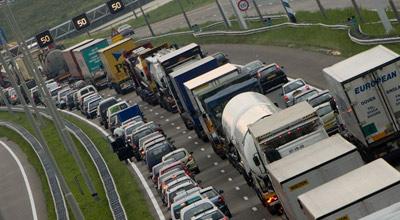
156	113
167	120
215	163
145	107
208	156
245	198
237	188
172	124
151	110
255	209
183	132
202	149
197	144
189	137
130	101
230	179
162	116
222	171
26	180
177	128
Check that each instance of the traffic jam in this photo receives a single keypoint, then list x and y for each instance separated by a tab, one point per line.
218	140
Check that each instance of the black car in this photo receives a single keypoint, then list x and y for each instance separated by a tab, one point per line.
252	67
70	100
103	106
271	77
155	153
138	134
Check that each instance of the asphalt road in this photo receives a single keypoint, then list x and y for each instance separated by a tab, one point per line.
242	201
14	199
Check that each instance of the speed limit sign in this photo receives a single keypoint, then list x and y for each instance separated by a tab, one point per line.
243	5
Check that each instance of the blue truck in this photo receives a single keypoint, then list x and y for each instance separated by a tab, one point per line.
128	113
179	92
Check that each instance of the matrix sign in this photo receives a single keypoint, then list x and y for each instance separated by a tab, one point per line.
80	22
44	39
115	6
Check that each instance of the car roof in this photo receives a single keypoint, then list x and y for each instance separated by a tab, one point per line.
107	100
180	184
290	82
157	143
323	92
202	214
175	163
193	205
155	138
171	173
306	92
183	178
175	151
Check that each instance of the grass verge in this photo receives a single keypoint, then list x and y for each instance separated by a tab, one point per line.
35	162
128	187
91	208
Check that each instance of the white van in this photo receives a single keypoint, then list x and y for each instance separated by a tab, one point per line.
85	90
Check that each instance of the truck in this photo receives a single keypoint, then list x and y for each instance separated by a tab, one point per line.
388	213
113	59
73	67
182	75
90	64
354	195
366	90
307	169
167	61
240	112
214	106
204	83
128	113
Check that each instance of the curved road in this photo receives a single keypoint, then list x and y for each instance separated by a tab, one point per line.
17	200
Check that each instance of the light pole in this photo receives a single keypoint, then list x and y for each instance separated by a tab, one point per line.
258	11
145	18
184	14
221	10
5	100
242	22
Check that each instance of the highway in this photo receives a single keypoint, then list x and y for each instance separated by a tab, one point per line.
240	198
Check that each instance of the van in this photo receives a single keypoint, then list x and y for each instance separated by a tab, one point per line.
85	90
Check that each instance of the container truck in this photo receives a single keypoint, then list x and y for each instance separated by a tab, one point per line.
166	62
113	59
366	88
309	168
90	64
205	82
240	112
128	113
389	213
354	195
72	63
214	106
182	75
287	131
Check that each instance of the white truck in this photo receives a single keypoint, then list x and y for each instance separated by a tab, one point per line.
241	111
389	213
287	131
309	168
354	195
366	88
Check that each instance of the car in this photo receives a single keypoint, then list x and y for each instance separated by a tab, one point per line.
131	127
69	101
209	193
83	91
78	84
177	206
12	96
172	192
61	97
148	143
126	30
149	137
301	97
171	184
271	77
321	97
91	111
171	165
185	157
154	154
214	214
86	100
196	208
155	171
134	142
79	103
54	92
290	89
252	67
328	117
102	109
172	175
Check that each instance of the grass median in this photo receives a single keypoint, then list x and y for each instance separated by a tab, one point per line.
131	195
91	208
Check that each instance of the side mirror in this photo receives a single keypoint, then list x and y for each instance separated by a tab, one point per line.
221	191
191	153
256	160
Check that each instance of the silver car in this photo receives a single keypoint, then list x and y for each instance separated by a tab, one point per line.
293	88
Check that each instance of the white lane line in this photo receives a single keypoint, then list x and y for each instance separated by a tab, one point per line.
245	198
202	149
189	137
237	188
173	124
167	120
162	116
215	163
222	171
26	180
137	171
255	209
151	110
156	113
177	128
208	156
183	132
196	143
230	179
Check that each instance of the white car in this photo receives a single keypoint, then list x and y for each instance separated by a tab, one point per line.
181	187
185	157
196	209
293	88
177	206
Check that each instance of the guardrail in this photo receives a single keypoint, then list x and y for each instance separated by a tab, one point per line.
110	188
55	188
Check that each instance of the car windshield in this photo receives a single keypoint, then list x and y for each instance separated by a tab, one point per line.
118	108
174	177
130	129
177	208
155	154
213	215
270	72
105	105
177	156
94	104
210	193
182	189
141	134
305	96
203	207
148	137
326	97
63	93
252	67
324	110
293	85
54	92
